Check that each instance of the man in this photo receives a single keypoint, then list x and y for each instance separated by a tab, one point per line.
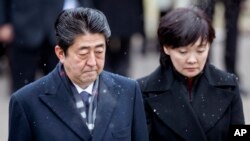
57	106
33	40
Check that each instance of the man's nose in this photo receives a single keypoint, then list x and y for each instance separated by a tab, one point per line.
91	59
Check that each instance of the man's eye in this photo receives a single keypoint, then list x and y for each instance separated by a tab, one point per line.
82	54
99	51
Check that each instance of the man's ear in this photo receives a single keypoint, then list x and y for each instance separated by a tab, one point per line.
166	49
60	53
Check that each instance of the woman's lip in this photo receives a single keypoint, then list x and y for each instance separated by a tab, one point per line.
190	69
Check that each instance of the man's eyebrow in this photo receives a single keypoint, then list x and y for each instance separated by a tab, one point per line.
100	45
83	48
96	46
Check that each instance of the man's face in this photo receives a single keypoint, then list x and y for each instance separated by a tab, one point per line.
189	60
85	58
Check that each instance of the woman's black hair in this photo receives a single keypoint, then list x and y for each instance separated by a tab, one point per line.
181	27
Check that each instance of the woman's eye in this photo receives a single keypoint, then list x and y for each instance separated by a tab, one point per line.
182	51
200	51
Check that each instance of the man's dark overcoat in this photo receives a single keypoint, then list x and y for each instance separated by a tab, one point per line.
45	111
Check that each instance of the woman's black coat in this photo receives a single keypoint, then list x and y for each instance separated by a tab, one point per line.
172	116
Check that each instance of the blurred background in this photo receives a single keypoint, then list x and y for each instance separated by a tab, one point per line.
135	53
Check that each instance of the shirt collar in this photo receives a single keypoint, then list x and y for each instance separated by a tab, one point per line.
88	89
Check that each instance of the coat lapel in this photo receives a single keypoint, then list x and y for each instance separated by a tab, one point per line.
175	111
171	106
167	100
58	100
106	104
212	101
211	106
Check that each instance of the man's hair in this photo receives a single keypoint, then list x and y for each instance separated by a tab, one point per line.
79	21
182	27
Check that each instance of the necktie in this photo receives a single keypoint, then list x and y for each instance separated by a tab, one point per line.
85	97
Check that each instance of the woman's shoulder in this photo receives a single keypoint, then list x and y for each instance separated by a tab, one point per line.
159	80
217	76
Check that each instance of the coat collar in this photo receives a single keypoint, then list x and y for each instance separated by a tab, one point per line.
170	105
57	97
174	110
159	80
162	78
168	100
217	77
108	94
215	97
211	104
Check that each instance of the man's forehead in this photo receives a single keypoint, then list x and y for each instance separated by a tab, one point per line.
89	40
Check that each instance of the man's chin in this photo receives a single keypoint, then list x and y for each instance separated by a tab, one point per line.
90	72
91	78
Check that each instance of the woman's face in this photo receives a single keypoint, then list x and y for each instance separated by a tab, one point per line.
189	60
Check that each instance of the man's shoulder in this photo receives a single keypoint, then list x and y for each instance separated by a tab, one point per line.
118	84
37	87
112	77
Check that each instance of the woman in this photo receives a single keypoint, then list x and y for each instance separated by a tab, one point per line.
186	98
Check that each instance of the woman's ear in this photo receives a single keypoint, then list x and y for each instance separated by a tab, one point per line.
60	53
166	49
